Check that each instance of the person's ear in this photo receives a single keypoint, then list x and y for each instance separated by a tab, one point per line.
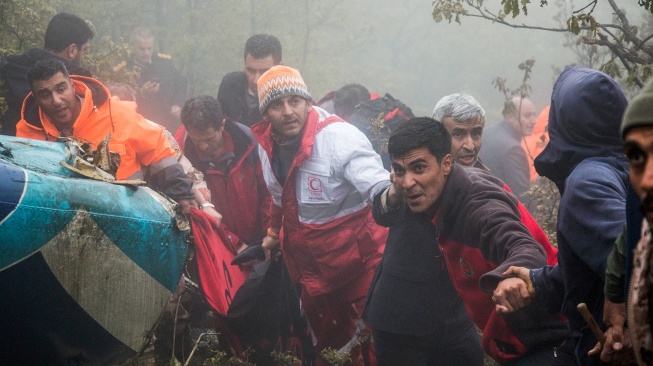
71	51
447	163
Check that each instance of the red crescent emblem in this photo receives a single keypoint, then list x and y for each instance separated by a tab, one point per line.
314	184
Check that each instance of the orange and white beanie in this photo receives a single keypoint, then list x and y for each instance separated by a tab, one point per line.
278	82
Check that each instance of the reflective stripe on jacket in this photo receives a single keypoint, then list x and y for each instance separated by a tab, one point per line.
99	116
328	235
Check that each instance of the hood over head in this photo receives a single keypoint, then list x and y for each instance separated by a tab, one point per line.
584	120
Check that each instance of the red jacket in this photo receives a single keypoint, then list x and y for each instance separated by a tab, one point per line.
238	189
481	233
328	235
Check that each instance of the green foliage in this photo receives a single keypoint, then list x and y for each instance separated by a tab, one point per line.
222	359
449	10
646	4
611	68
545	198
510	7
285	359
514	7
333	357
278	359
22	24
578	22
573	25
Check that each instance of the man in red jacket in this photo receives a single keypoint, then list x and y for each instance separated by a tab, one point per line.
226	153
453	231
322	173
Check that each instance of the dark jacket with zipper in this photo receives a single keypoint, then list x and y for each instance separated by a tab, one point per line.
480	229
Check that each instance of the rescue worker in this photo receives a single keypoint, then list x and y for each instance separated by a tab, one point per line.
226	153
80	107
322	173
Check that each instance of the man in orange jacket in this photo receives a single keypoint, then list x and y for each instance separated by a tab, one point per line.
82	108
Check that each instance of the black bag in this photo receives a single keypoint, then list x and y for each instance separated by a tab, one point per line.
265	314
377	118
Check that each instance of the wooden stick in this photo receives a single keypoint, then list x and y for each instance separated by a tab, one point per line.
582	308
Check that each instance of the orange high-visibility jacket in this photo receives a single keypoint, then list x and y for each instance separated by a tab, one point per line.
138	142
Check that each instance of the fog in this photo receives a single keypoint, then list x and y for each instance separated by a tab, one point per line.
388	46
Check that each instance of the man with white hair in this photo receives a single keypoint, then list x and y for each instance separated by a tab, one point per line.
464	119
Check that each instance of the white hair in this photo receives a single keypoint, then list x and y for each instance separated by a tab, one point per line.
460	106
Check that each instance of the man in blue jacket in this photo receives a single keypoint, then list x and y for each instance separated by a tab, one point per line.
585	159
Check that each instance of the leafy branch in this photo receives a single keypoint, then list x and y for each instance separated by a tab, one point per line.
630	50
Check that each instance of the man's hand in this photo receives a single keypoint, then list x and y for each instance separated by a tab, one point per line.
186	205
213	213
523	274
511	295
149	88
395	192
618	349
269	243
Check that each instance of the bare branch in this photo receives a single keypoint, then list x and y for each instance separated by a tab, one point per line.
620	38
592	3
484	13
617	47
629	34
623	57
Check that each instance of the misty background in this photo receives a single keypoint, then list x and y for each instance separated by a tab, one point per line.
389	46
